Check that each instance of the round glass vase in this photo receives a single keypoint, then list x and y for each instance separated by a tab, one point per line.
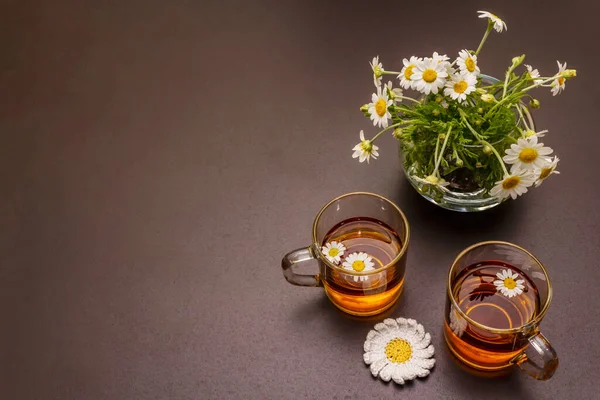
463	194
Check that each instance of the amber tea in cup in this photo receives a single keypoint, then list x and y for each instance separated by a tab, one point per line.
360	242
497	295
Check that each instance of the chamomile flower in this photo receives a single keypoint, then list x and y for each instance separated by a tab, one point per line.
467	63
499	25
365	149
533	73
545	172
378	70
407	71
558	85
508	283
333	251
429	76
378	108
513	184
528	154
443	61
399	350
440	58
359	262
459	86
393	93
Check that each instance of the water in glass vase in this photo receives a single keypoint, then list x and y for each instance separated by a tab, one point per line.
510	302
373	292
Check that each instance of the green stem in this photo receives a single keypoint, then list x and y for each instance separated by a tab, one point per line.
439	157
404	108
435	156
510	70
529	118
487	32
517	86
519	94
484	142
385	129
411	99
462	116
390	73
500	160
518	107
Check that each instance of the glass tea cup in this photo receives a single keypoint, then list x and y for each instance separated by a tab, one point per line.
365	275
498	293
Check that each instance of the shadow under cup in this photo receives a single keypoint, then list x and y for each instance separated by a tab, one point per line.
475	301
360	293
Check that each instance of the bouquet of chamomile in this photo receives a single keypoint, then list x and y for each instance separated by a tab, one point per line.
465	131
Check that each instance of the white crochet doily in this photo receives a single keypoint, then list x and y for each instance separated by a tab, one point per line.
399	350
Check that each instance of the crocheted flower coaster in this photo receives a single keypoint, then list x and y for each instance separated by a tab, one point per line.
399	349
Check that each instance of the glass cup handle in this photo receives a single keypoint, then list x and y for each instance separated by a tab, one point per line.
549	358
294	257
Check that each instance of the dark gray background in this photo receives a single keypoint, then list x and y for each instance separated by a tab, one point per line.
158	158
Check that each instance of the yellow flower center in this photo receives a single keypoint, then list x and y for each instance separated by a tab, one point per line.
470	64
358	265
494	16
511	182
461	86
510	283
380	107
333	252
561	81
528	155
429	75
377	71
545	173
408	71
398	351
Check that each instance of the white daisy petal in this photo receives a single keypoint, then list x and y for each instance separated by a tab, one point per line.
424	353
381	327
378	344
372	335
378	365
424	343
405	371
398	376
390	322
372	356
420	372
419	332
386	373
